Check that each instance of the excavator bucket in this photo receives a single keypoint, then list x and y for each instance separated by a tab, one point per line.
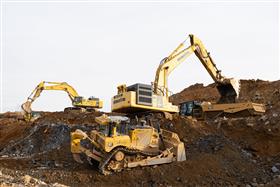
26	107
229	90
27	113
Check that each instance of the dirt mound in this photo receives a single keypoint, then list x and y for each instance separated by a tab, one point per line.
250	90
222	152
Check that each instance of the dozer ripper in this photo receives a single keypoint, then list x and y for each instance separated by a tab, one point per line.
118	144
140	98
78	102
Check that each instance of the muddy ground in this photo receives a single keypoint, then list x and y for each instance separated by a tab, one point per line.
220	152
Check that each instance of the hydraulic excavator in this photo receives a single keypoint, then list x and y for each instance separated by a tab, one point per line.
140	98
78	102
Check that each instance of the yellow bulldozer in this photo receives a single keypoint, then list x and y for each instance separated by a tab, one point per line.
119	144
140	98
78	102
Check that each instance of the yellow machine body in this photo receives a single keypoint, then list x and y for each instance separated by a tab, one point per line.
126	102
142	139
116	147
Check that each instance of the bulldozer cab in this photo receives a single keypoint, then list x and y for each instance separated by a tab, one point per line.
111	126
191	108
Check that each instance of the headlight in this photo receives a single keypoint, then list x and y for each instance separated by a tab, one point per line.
110	144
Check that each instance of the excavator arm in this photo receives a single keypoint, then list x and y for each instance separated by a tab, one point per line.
227	87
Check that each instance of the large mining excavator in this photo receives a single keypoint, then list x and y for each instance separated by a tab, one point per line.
78	102
140	98
119	144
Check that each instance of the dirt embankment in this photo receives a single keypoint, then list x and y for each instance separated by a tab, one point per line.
222	152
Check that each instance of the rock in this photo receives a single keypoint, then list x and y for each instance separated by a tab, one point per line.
216	148
266	123
246	153
57	164
276	92
27	179
263	118
257	96
254	184
274	115
248	185
185	140
58	185
274	169
43	185
250	124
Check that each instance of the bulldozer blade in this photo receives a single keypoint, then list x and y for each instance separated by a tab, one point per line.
77	158
229	90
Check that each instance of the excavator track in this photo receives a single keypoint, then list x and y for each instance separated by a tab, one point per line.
103	166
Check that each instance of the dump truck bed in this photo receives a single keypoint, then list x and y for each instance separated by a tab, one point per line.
232	110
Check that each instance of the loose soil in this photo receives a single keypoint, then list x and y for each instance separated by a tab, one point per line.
220	152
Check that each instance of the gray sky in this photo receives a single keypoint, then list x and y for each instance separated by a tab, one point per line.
97	46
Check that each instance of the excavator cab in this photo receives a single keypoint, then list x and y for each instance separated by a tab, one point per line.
191	108
78	99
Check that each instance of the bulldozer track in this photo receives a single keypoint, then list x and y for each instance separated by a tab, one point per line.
104	163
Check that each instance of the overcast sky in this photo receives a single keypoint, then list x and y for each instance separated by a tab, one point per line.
97	46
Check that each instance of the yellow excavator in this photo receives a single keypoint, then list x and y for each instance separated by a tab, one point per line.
78	102
120	144
140	98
